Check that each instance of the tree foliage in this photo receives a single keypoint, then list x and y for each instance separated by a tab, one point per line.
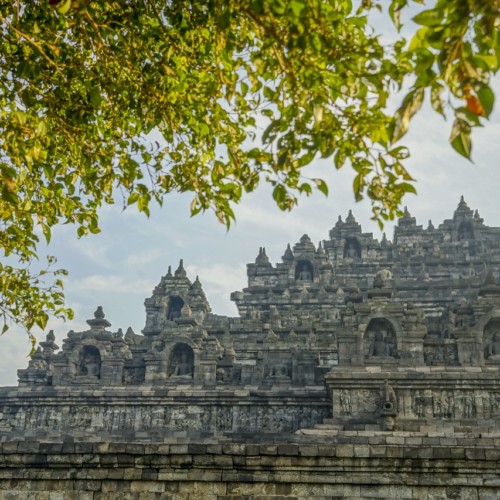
102	101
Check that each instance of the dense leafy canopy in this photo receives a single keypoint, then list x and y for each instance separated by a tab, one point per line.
109	100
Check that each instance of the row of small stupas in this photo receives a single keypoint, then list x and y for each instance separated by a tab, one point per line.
337	320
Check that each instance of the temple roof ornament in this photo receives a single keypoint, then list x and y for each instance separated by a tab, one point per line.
463	211
262	258
180	272
99	322
350	219
288	255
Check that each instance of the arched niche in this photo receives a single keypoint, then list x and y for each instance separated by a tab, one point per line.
380	339
304	271
465	231
491	340
175	305
181	362
90	362
352	248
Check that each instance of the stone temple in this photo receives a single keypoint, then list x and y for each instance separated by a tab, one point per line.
356	368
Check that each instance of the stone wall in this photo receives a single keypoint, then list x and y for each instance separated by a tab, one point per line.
152	411
350	465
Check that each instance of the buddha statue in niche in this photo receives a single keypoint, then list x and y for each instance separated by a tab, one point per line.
183	367
382	344
91	363
493	347
304	272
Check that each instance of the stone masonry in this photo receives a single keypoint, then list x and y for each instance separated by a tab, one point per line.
356	368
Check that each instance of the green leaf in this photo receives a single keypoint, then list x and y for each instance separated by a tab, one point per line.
224	19
321	185
460	138
133	197
63	8
395	12
296	7
41	321
358	186
143	204
491	60
431	17
436	100
486	98
95	97
279	194
419	40
411	104
407	188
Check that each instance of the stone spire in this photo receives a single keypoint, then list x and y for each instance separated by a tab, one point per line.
320	250
288	255
305	240
50	342
180	272
196	290
463	211
99	323
350	218
196	284
477	217
407	219
305	246
384	241
262	258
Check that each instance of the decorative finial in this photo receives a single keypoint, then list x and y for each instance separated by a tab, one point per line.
288	255
99	313
98	323
262	257
462	203
180	271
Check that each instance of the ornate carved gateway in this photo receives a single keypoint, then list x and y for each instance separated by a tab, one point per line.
346	349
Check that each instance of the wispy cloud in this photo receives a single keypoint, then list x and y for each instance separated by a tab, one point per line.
112	283
144	257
